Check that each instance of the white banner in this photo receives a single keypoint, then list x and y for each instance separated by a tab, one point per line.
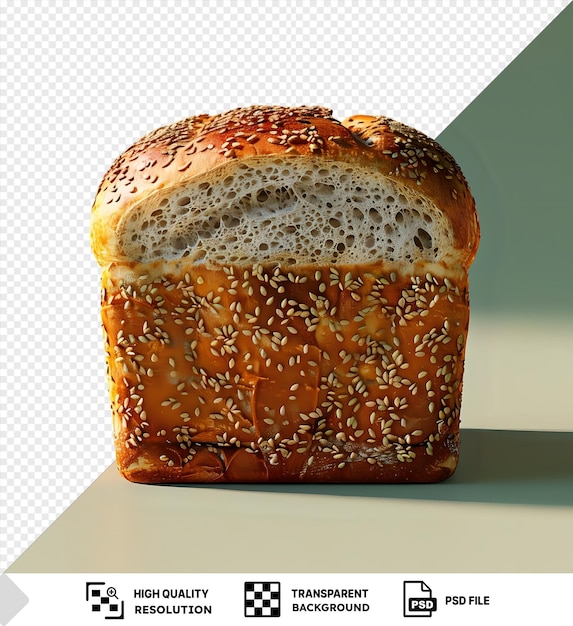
284	599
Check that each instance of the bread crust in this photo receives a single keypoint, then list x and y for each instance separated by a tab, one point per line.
284	372
248	374
176	154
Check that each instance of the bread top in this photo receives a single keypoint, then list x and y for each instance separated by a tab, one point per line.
285	185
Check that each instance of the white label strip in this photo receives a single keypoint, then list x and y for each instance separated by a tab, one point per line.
285	599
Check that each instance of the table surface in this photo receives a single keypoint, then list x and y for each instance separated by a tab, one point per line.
478	521
508	508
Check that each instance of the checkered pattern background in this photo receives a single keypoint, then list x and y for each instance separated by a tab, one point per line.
82	80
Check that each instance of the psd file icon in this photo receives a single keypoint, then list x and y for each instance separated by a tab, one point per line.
418	600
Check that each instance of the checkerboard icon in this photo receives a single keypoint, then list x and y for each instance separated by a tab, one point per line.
262	599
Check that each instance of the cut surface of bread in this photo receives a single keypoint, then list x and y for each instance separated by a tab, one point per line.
290	211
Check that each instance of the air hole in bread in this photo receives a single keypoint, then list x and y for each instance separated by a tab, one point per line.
375	216
230	221
425	238
180	243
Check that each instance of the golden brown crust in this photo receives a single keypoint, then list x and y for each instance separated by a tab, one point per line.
180	152
345	374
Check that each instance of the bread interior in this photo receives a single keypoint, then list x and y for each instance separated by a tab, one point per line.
287	210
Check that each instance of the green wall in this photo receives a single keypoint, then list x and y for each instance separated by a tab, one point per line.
514	143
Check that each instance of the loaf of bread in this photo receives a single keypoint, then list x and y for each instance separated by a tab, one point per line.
285	299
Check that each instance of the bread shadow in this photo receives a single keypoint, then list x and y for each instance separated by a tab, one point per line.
496	466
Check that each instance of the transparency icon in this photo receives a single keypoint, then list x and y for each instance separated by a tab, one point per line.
262	599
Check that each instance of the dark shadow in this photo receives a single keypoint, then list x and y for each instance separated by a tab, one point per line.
496	466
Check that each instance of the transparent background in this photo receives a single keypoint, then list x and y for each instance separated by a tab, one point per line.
82	81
